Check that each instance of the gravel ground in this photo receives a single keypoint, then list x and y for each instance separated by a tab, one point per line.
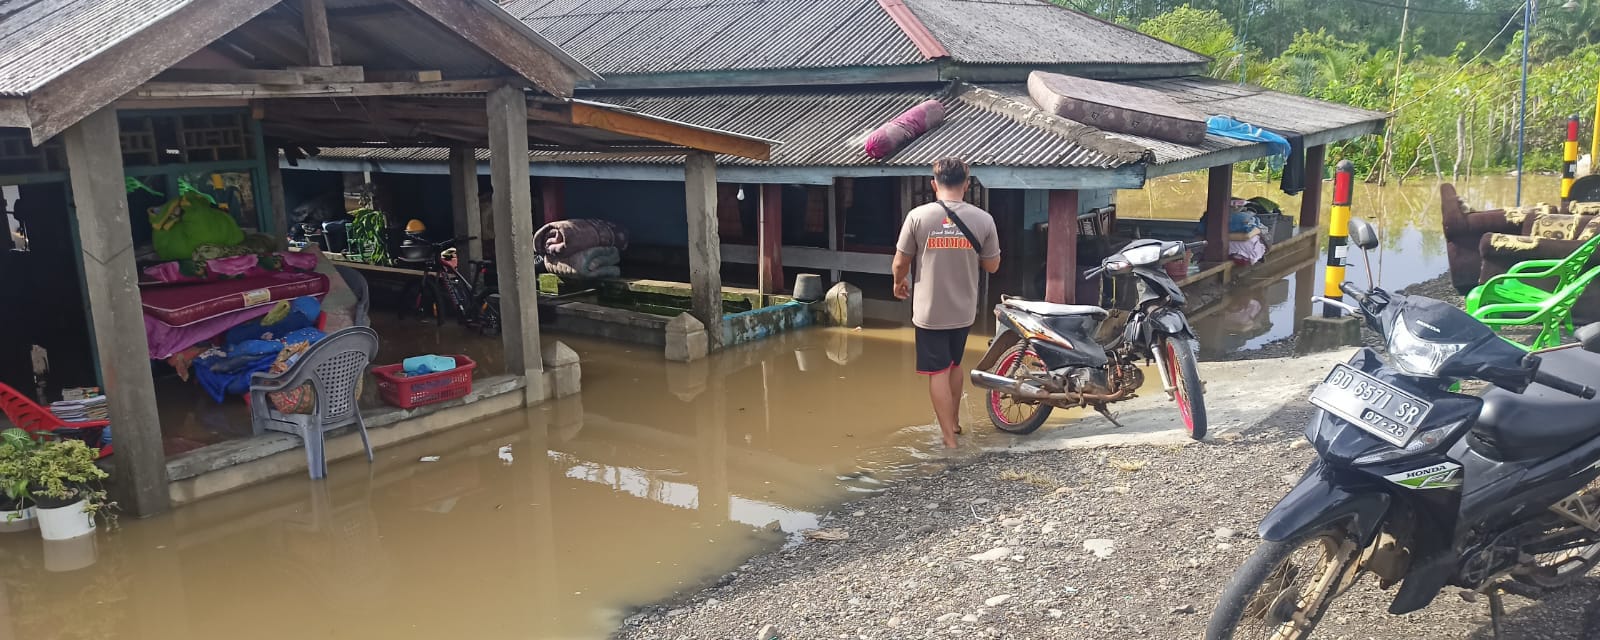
1131	542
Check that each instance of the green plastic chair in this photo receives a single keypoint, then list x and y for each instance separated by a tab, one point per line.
1513	286
1552	314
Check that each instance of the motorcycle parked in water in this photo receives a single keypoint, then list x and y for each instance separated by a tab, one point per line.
1059	355
1425	487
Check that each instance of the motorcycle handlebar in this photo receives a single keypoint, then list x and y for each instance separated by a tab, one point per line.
1557	382
1195	246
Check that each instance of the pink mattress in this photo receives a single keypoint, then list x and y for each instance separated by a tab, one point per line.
184	305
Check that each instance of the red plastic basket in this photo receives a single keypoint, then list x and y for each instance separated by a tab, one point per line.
410	392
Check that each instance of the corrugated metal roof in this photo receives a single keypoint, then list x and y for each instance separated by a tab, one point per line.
40	39
1038	32
990	125
658	36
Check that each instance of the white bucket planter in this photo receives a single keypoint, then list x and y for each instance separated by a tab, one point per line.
66	523
18	520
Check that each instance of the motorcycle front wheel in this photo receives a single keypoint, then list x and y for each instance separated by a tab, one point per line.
1183	371
1008	413
1283	589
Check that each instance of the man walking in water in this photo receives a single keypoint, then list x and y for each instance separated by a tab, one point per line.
942	246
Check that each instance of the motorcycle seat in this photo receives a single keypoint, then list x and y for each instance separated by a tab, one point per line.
1542	422
1039	307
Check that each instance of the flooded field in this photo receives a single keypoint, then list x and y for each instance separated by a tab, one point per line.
553	523
1407	217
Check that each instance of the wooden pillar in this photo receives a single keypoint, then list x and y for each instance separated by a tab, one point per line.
513	237
1061	250
771	239
319	45
464	201
1219	192
705	247
1311	198
280	208
552	199
94	159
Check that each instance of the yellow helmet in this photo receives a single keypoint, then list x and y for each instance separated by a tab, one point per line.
415	226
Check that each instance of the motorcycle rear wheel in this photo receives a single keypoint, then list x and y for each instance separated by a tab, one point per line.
1560	568
1008	413
1282	590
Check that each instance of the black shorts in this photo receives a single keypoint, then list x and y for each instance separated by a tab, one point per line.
939	350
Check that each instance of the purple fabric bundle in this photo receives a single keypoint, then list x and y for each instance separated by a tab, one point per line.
887	139
566	237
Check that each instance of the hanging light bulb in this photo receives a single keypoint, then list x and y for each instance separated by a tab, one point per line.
740	195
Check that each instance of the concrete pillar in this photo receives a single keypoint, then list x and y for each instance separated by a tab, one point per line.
280	208
552	199
771	239
513	236
1061	251
1311	198
464	202
705	248
843	305
94	159
564	370
1219	192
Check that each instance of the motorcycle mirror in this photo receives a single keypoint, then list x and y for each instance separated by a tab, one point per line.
1363	235
1589	335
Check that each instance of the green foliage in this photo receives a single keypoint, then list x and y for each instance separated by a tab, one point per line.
16	446
1454	95
366	230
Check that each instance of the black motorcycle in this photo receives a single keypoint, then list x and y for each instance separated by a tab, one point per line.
1061	355
1425	487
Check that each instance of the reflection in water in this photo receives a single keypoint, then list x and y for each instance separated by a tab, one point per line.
659	478
1412	247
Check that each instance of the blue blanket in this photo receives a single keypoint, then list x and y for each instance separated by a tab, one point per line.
1229	128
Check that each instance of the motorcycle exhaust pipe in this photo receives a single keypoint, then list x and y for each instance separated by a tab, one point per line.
1018	388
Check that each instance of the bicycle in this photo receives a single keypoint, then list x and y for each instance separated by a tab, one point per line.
443	288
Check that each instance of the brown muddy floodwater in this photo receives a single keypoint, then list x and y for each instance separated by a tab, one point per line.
1407	217
657	479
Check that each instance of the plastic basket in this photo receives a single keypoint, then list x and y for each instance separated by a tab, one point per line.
410	392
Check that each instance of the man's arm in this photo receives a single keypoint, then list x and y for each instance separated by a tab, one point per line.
902	274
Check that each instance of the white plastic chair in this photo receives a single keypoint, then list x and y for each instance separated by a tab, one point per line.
334	367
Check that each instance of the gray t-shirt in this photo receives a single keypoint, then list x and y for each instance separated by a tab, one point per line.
944	268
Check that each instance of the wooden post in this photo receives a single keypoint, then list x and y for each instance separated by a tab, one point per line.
319	46
513	237
1311	198
705	248
464	201
1219	192
552	199
771	239
280	208
94	159
1061	250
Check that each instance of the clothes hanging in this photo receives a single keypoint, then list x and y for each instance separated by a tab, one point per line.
1294	167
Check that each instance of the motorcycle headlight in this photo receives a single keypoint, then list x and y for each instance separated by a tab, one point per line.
1147	254
1416	356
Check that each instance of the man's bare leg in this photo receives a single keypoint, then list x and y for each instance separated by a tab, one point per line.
955	395
940	389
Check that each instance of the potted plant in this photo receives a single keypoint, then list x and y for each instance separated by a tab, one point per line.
16	504
64	483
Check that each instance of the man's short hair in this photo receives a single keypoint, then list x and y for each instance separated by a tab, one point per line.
950	172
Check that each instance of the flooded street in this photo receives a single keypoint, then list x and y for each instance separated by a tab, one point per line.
555	522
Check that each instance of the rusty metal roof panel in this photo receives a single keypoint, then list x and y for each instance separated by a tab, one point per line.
40	39
663	36
1038	32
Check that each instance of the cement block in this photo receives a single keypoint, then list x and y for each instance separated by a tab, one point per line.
565	375
844	305
686	339
1326	334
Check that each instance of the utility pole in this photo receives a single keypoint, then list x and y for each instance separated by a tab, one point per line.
1387	162
1522	107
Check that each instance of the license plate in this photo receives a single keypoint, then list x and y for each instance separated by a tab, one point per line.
1377	407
